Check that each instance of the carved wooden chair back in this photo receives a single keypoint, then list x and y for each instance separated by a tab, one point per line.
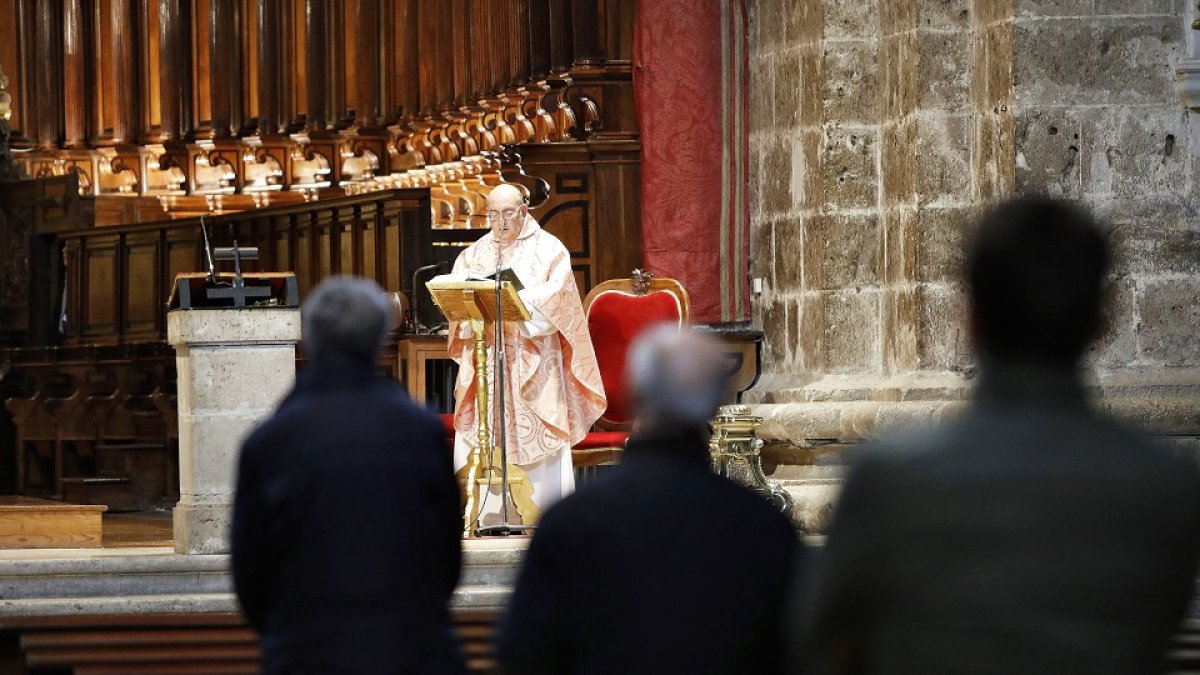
618	311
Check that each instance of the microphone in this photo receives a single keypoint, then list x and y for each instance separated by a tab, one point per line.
416	293
212	271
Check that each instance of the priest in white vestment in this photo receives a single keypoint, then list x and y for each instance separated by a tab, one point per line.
553	393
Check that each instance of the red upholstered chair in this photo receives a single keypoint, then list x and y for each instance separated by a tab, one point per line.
617	311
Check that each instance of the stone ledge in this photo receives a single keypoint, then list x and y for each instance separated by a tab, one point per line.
465	597
87	581
155	562
855	421
249	326
847	421
127	604
853	408
812	431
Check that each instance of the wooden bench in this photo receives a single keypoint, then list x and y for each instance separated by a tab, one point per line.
222	644
216	644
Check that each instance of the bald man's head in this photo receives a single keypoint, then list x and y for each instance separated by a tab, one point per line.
506	212
677	377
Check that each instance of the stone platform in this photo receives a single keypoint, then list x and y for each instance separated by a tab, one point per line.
156	580
26	522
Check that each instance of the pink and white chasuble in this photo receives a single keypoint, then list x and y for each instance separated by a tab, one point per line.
553	391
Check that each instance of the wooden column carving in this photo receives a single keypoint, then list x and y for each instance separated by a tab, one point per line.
175	70
562	50
427	41
444	25
585	29
518	52
489	43
506	43
367	52
338	89
225	67
618	33
127	122
16	54
316	26
75	98
405	46
48	62
460	57
539	38
273	77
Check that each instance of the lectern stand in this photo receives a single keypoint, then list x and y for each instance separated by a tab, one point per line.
475	301
235	363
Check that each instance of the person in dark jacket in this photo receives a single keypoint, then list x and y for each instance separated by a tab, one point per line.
346	529
1033	535
662	566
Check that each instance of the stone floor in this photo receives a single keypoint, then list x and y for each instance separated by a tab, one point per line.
141	528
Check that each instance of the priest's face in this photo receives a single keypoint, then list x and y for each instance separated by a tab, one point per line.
506	213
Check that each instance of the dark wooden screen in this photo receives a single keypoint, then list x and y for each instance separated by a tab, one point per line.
118	279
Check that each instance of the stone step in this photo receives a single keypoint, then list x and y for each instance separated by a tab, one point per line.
155	575
126	604
134	575
465	597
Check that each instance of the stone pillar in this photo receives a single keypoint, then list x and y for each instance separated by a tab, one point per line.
234	366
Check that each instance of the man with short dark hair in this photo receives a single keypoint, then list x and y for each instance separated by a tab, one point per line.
346	527
1033	535
662	566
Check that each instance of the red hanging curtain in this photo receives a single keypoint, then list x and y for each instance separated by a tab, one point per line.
691	89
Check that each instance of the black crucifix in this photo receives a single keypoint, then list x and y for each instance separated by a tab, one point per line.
239	291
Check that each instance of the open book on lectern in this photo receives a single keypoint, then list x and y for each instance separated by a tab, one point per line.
506	274
462	298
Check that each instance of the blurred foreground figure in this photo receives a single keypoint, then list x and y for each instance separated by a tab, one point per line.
660	567
1033	535
346	526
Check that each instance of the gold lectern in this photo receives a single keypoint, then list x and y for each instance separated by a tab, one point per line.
475	301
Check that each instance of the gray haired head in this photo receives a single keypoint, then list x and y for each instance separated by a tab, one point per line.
677	377
347	317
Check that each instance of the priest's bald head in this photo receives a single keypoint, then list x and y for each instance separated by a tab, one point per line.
677	378
506	211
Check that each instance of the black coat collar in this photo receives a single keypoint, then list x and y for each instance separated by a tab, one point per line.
335	372
687	445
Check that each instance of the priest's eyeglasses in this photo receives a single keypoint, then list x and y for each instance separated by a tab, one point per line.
506	214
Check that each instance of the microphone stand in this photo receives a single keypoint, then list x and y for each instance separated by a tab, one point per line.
500	427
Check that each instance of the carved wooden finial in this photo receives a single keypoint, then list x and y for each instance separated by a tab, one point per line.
5	97
8	167
641	281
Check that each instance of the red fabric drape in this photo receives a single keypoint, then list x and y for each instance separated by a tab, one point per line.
690	90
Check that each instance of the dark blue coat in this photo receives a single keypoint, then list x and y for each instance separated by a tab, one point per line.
347	530
661	567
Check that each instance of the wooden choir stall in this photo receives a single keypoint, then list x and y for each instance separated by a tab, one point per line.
337	136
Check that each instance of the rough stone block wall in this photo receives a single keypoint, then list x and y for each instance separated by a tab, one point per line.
1097	119
879	128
